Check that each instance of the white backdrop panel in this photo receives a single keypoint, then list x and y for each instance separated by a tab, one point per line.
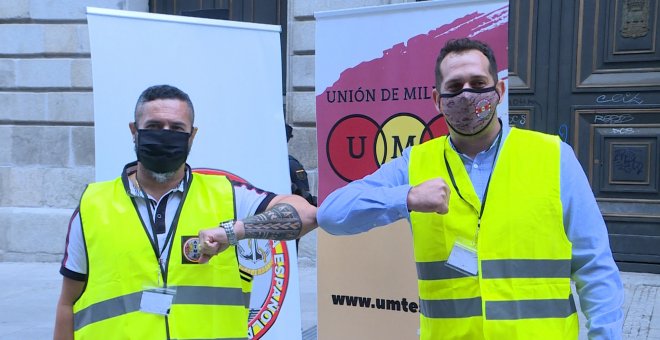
233	74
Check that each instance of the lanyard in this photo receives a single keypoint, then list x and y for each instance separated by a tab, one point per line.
492	168
168	239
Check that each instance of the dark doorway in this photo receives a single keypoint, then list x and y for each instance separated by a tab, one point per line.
272	12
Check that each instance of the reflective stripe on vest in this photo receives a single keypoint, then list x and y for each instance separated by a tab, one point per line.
184	295
498	310
522	288
498	269
454	308
107	309
530	309
124	264
438	270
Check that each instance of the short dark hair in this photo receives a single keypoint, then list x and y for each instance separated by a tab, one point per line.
163	92
460	46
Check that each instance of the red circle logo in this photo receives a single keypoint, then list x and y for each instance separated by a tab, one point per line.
269	264
357	145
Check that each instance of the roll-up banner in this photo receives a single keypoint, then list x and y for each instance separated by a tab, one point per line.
374	79
233	74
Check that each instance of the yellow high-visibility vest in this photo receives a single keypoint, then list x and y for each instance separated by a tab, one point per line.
211	300
522	288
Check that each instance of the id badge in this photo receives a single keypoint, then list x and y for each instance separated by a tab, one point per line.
157	300
463	258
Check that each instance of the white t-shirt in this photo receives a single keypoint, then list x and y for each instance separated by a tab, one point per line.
248	201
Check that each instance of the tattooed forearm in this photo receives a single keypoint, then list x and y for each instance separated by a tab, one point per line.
282	222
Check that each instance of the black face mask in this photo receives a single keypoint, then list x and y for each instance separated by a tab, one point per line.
162	151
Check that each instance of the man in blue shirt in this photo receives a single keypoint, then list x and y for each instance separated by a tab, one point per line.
467	93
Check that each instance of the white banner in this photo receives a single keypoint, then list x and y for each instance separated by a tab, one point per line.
233	74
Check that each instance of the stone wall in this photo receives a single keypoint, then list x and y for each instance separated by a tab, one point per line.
46	121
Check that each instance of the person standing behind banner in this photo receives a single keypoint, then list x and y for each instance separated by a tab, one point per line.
132	265
502	218
298	174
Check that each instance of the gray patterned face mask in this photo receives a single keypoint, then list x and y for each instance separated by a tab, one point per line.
469	111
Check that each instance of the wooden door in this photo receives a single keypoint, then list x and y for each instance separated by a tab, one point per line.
589	71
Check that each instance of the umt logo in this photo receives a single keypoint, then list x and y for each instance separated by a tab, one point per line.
357	145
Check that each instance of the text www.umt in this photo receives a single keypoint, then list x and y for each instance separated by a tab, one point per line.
399	305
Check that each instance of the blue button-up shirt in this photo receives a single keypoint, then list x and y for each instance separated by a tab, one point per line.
380	199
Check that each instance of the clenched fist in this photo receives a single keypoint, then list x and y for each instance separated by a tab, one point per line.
212	242
429	196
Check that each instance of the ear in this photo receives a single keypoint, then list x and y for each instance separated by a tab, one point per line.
500	87
436	100
192	136
133	129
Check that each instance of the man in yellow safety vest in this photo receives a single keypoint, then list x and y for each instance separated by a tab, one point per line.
502	218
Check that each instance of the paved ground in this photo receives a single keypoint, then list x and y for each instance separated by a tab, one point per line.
29	292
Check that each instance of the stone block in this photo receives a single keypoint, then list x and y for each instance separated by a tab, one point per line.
64	186
7	72
5	213
5	173
65	38
53	72
49	106
307	8
43	38
136	5
14	9
77	9
81	73
22	106
5	141
302	35
301	107
43	187
35	231
40	145
21	187
303	147
21	38
70	106
301	71
313	177
43	73
82	143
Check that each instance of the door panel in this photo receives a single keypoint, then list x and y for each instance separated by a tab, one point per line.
528	47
